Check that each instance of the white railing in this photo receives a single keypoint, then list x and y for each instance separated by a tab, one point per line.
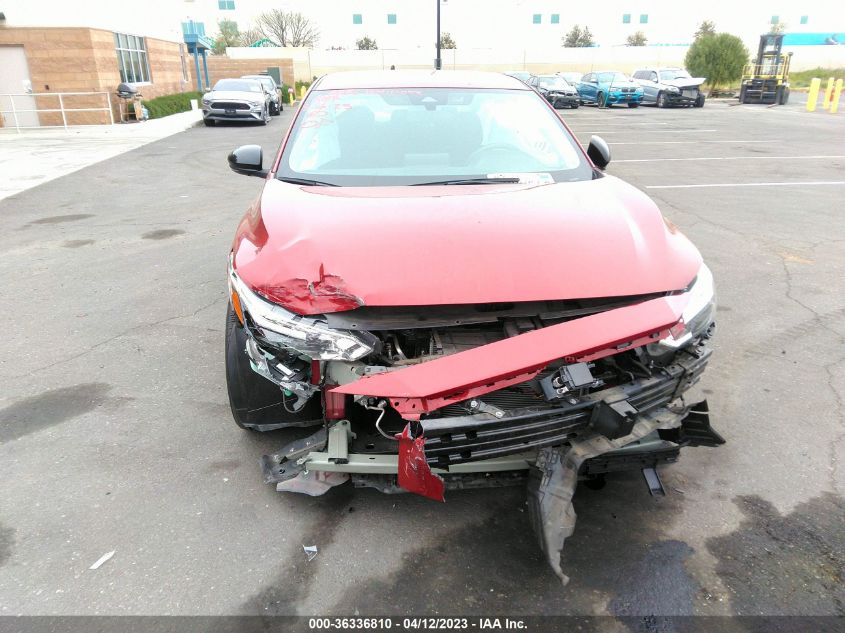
18	116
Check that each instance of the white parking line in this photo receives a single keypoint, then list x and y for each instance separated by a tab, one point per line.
658	160
684	131
811	183
685	142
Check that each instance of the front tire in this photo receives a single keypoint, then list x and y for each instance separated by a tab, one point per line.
633	104
209	122
662	102
600	100
255	401
699	102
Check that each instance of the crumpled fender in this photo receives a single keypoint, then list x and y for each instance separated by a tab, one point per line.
428	386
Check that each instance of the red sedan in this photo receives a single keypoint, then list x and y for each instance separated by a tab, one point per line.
439	278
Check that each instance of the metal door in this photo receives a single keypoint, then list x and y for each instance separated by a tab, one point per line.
14	80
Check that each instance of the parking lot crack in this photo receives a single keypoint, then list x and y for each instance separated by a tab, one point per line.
821	321
126	332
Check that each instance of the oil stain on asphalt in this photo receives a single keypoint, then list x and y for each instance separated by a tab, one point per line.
494	566
58	219
791	564
77	243
50	408
162	234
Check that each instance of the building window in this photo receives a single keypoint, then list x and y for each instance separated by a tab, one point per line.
775	19
132	58
555	18
803	19
626	18
391	18
357	19
226	5
538	18
644	18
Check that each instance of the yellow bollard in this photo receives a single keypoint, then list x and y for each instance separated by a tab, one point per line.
302	92
827	94
834	104
813	95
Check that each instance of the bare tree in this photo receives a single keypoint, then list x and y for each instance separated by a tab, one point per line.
251	36
286	28
302	32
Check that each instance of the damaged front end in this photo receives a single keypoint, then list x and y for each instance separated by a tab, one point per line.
430	398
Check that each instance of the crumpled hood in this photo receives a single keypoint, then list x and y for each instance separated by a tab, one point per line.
685	82
393	246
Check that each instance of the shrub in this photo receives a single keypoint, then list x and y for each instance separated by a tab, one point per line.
720	58
170	104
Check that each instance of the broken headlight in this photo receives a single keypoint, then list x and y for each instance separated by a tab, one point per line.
307	336
697	316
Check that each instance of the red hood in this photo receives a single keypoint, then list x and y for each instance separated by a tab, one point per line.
397	246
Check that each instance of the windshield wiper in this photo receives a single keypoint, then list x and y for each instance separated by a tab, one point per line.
306	181
469	181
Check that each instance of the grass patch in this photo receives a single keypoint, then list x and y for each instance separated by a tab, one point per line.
171	104
801	79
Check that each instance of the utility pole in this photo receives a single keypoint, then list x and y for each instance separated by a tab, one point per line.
438	63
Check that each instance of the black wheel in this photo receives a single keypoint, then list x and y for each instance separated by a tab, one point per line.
256	402
699	102
209	122
662	102
556	104
274	109
783	95
742	92
633	104
574	106
600	100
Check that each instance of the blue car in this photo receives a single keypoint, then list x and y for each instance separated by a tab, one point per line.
606	88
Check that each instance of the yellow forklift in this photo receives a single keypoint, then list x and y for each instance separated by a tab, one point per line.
766	79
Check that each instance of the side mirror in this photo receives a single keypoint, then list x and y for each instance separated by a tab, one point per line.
248	160
599	152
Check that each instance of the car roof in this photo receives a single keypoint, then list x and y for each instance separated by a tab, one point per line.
256	77
417	79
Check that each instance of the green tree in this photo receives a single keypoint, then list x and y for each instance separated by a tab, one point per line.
446	41
285	28
636	39
720	58
704	29
577	38
366	44
228	36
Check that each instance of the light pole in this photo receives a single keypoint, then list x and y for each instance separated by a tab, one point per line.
438	63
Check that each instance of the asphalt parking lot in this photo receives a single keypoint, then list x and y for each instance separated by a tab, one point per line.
115	432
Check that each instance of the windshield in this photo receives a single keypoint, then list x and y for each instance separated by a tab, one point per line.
607	78
553	83
404	136
669	75
238	85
